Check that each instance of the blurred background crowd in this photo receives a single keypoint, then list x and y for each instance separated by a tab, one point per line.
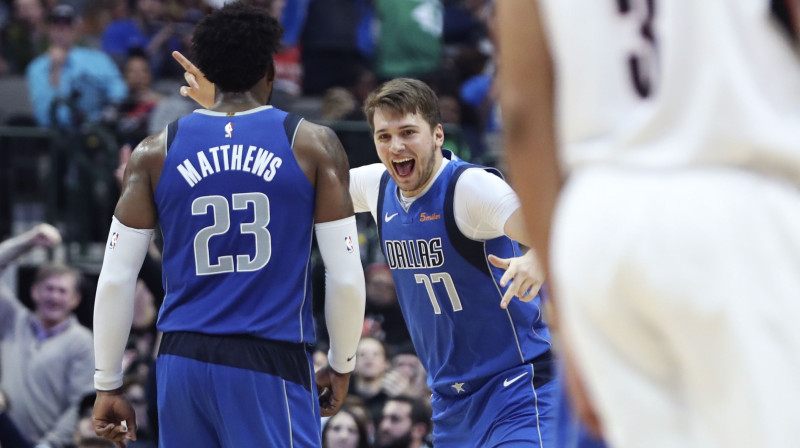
83	81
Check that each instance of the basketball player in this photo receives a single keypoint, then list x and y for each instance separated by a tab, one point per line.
237	190
489	367
448	231
676	243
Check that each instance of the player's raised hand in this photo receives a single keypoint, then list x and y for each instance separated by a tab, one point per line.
111	409
524	273
199	89
332	387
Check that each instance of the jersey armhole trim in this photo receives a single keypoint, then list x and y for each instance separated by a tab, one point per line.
379	207
172	130
291	124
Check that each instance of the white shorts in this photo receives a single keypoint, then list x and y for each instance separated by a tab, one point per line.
680	294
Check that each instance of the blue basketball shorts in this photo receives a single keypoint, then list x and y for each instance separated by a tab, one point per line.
515	408
234	392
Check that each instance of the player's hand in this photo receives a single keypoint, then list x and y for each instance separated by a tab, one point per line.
113	417
44	235
525	274
332	387
199	89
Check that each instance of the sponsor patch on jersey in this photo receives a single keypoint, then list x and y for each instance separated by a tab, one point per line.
429	217
229	130
112	242
348	244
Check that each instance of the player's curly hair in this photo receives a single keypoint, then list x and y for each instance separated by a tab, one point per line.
234	45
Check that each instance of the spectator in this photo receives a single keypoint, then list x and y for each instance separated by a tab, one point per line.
122	34
405	423
372	362
410	40
406	376
25	37
135	111
330	41
46	356
69	85
346	429
383	317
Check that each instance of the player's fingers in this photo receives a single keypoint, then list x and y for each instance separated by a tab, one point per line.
510	273
510	293
185	63
191	80
498	262
131	421
522	288
533	291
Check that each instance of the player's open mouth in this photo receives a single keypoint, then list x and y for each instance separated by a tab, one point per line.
403	167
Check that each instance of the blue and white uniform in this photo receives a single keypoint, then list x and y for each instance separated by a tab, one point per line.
489	369
237	212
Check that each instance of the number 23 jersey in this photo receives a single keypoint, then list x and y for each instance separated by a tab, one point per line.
237	215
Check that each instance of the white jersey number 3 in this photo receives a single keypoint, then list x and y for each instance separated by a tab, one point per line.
642	60
222	223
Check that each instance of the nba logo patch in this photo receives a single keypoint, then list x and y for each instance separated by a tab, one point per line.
112	243
348	244
229	130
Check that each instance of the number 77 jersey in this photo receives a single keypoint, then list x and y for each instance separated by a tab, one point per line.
237	212
449	292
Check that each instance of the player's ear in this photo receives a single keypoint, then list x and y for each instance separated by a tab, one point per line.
438	136
271	72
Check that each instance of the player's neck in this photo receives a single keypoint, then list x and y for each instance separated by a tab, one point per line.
236	101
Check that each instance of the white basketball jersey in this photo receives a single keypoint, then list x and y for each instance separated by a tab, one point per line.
675	83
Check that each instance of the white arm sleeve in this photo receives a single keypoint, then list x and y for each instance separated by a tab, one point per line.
113	304
482	203
365	181
345	293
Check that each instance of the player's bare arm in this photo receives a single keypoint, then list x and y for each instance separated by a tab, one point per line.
527	97
526	80
136	207
323	159
129	238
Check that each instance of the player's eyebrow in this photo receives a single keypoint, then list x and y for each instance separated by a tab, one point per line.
405	126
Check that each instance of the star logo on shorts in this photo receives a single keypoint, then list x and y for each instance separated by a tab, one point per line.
459	387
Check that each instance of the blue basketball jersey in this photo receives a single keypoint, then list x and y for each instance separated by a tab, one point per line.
237	214
449	292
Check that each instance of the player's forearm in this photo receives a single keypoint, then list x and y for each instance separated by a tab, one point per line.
345	293
527	101
113	309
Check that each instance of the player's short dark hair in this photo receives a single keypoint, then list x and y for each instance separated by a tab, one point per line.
406	96
234	46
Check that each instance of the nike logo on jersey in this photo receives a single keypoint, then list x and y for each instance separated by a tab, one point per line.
511	381
388	218
351	358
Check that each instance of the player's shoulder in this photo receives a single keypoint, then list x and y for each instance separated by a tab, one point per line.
151	151
318	142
